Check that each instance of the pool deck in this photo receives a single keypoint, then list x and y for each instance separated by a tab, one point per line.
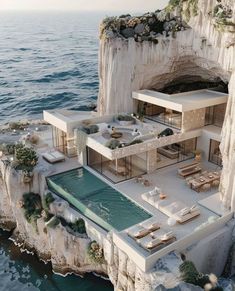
173	186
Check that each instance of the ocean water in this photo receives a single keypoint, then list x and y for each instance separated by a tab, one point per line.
47	60
23	272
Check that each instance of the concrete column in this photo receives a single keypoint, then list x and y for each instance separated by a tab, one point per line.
151	161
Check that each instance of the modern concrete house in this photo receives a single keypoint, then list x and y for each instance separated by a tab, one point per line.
164	156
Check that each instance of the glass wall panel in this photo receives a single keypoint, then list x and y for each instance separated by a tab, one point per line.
59	139
163	115
175	153
215	155
209	117
117	170
215	115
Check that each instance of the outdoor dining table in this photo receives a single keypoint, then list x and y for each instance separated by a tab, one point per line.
204	179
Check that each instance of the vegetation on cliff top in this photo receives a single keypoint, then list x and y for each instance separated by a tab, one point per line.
147	27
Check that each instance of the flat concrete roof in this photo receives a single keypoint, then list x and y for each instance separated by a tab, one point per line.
182	102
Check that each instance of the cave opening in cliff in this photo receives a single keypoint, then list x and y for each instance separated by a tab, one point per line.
188	83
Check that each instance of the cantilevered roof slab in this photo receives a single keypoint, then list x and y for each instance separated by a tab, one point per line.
182	102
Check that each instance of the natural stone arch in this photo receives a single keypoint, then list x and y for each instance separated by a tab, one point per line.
187	69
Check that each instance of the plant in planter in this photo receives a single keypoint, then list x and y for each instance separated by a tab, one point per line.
113	144
125	119
90	129
135	141
95	253
197	155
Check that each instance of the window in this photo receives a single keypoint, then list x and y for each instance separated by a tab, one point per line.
117	170
59	139
215	156
176	153
163	115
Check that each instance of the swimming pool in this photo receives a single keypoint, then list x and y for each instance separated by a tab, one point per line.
97	200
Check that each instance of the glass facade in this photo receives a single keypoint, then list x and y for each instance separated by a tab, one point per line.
117	170
176	153
215	115
59	139
163	115
215	156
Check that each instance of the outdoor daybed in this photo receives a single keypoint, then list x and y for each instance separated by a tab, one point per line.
53	157
178	210
173	209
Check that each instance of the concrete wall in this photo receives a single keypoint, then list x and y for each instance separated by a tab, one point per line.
193	119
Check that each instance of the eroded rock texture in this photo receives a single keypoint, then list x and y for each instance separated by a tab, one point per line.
203	53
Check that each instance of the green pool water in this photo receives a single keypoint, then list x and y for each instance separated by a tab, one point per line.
97	200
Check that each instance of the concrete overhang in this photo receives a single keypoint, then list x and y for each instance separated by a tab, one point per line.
182	102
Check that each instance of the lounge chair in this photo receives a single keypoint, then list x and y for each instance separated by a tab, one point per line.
53	157
151	199
178	210
149	243
150	225
138	231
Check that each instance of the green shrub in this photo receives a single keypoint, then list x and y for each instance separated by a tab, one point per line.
78	226
90	129
31	203
95	253
18	125
190	274
26	158
121	117
135	141
113	144
47	200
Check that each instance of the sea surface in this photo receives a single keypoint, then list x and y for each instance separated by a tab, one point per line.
47	60
23	272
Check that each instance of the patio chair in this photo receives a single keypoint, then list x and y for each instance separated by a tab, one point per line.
205	187
216	183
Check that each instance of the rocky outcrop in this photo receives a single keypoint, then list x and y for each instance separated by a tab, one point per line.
66	251
205	52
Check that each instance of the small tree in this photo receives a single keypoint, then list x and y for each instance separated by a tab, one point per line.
26	158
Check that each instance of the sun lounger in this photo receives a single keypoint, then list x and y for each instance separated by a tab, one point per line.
150	225
53	157
138	231
178	210
149	243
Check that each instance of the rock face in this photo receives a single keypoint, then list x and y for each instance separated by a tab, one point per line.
206	52
68	252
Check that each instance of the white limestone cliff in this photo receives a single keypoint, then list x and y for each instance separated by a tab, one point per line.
201	52
68	253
